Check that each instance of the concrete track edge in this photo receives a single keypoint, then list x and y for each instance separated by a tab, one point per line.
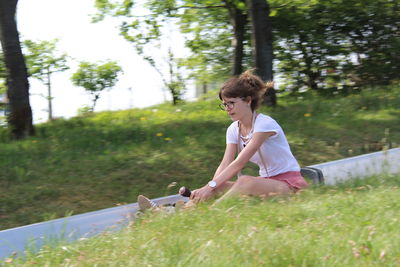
17	240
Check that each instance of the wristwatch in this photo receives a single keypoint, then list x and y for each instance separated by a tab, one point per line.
212	184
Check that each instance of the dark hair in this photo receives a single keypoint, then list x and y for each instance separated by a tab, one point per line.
244	85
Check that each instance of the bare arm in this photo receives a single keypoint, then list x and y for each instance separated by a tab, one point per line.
229	167
236	165
229	156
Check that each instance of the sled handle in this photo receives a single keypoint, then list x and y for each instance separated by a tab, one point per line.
185	192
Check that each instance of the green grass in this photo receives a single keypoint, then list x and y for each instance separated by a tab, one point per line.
105	159
352	224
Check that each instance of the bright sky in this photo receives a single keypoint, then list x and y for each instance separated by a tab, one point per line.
69	21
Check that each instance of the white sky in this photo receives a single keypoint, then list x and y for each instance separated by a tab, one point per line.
69	21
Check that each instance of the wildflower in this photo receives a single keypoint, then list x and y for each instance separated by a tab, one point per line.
154	110
178	110
354	249
159	134
382	254
142	118
307	115
168	139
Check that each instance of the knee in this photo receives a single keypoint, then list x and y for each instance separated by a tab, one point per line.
243	180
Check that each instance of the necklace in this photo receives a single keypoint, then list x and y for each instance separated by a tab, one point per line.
250	133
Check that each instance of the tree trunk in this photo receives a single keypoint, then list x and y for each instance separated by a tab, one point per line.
95	98
205	88
20	117
311	75
238	20
262	44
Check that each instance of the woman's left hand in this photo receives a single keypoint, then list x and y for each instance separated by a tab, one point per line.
201	194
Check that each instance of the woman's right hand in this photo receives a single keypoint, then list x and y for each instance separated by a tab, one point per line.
201	194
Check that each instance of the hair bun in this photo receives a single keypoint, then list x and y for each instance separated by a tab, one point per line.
245	85
249	77
269	84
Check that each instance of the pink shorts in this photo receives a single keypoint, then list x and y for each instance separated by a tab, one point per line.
293	179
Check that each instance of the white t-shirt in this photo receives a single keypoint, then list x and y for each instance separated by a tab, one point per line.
275	150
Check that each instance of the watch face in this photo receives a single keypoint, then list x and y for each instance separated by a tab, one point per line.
212	184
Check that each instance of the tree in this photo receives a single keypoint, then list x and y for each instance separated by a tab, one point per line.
238	20
371	34
96	77
335	46
20	117
218	41
158	52
262	44
43	61
144	31
218	35
174	82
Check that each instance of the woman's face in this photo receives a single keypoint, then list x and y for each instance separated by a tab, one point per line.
236	107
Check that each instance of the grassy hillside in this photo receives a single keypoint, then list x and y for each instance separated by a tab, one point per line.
354	224
105	159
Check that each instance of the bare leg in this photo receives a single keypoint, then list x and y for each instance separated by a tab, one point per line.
256	186
223	188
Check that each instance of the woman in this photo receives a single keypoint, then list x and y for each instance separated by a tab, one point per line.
258	138
261	141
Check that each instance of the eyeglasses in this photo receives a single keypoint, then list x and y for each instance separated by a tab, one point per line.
229	105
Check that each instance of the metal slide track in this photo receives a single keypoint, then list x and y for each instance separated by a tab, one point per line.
71	228
382	162
111	219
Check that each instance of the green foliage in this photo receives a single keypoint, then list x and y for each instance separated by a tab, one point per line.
336	46
330	47
104	159
3	89
3	104
43	59
3	75
145	26
206	28
84	111
209	37
347	225
96	77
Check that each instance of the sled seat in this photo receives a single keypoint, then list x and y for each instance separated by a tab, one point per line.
313	174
